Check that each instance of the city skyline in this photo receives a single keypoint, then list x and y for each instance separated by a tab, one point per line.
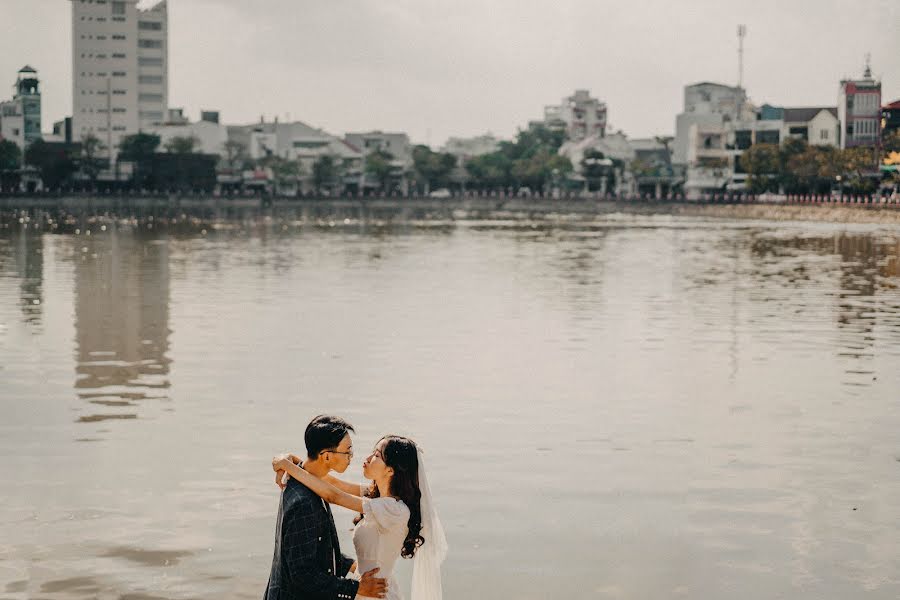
438	71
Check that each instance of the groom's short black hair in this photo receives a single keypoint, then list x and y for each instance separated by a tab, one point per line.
324	432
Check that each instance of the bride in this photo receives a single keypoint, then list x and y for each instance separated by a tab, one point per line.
397	516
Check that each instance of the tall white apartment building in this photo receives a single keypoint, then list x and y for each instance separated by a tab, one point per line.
119	68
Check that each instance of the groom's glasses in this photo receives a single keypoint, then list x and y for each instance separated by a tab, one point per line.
349	453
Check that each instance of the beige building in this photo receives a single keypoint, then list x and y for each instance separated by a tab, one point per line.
579	114
119	68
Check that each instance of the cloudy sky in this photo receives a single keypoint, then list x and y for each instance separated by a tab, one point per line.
436	68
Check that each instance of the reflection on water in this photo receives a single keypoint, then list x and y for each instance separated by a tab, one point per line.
121	325
615	408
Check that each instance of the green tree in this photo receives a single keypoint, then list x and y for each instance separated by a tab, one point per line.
891	142
285	171
859	169
10	161
324	172
762	162
55	161
432	168
235	152
378	164
182	144
10	156
490	171
138	147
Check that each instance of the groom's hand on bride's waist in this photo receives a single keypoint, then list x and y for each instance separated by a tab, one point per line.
371	586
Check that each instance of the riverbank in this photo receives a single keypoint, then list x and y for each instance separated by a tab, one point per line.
205	210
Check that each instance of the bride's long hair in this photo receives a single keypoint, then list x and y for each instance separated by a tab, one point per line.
401	455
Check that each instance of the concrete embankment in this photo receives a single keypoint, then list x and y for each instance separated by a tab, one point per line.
399	209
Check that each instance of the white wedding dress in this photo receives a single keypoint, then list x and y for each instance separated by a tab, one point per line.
378	539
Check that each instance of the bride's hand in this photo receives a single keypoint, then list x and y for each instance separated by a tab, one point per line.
280	462
287	456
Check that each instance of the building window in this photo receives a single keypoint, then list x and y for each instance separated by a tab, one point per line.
100	37
823	134
768	137
119	110
743	139
118	36
101	56
149	44
149	62
119	128
150	97
150	79
118	92
119	73
118	7
151	114
118	55
150	26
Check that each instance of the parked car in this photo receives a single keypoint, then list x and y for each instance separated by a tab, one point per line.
440	193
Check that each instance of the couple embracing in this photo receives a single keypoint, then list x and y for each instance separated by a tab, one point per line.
396	519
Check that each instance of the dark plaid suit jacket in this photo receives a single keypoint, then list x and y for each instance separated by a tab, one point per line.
307	550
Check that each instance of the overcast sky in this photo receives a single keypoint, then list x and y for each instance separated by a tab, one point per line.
438	68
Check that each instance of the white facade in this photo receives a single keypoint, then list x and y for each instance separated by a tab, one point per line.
819	126
298	142
211	137
466	148
614	146
707	105
580	114
12	122
396	144
119	68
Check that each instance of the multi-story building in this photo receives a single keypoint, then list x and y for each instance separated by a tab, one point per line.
580	115
707	105
209	135
859	111
119	68
20	118
890	117
818	125
302	143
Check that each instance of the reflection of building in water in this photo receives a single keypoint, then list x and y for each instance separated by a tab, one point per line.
862	305
121	324
29	255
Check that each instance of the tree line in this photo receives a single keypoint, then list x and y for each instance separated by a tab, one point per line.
796	167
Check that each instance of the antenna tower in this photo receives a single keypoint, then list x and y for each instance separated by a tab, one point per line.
741	32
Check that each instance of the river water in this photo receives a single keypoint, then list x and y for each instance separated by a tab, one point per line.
626	407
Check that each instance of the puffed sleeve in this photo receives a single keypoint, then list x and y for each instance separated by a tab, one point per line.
387	513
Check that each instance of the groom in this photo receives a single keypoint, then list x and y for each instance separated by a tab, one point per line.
308	564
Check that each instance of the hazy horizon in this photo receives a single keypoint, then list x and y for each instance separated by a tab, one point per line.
436	70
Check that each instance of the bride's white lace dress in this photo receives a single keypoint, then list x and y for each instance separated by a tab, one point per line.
378	539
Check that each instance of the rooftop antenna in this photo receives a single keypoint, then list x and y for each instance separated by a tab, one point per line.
868	72
742	32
